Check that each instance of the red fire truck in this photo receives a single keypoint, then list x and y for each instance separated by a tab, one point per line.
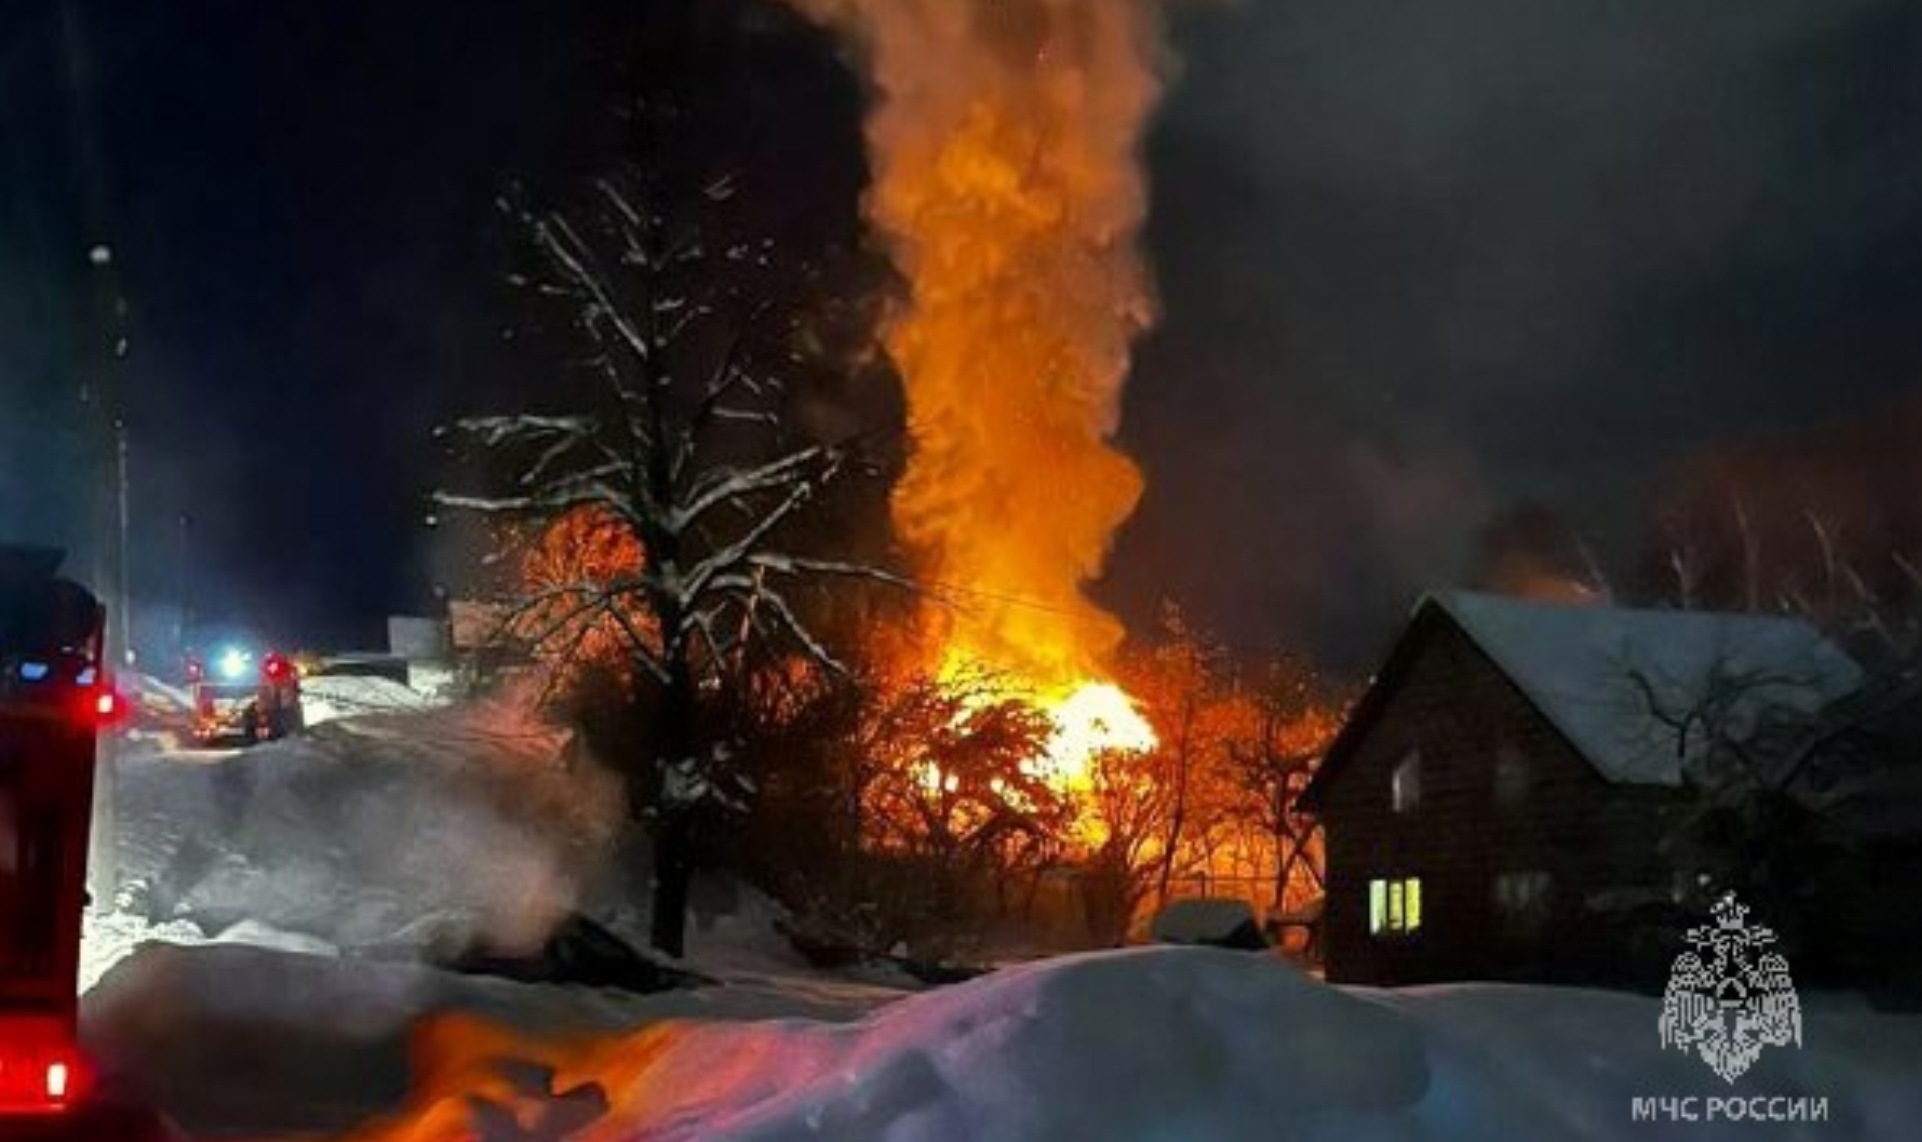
245	697
54	697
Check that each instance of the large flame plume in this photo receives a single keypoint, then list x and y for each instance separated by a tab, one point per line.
1005	142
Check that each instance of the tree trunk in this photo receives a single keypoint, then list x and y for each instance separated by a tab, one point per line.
673	878
1177	820
674	842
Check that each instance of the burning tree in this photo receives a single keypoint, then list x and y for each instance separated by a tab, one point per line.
1142	803
950	786
667	495
1289	726
1213	802
586	544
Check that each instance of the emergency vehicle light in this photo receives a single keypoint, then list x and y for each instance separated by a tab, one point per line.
34	671
233	664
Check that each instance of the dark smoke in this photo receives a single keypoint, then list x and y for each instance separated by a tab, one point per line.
1504	250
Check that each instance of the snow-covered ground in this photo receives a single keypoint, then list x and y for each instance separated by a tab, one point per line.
367	831
331	697
1151	1045
293	887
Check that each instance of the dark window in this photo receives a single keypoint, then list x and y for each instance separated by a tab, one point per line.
1512	776
1522	898
1404	787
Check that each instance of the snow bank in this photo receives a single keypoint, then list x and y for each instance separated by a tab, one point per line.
1207	922
352	833
163	695
254	934
1148	1045
322	1043
107	938
330	697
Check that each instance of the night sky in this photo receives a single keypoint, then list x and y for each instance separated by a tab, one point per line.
1419	262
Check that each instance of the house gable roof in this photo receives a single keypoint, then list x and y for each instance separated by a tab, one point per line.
1610	680
1613	680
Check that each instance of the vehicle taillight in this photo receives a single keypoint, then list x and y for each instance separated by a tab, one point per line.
103	706
40	1073
276	667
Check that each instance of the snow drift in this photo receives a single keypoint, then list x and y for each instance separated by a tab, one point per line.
431	827
331	697
1148	1045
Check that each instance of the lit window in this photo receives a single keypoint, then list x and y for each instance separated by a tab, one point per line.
1394	906
1404	787
1511	775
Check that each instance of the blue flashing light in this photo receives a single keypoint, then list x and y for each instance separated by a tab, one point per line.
233	664
34	671
86	677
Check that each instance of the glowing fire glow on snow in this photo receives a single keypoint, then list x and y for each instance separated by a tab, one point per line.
1005	142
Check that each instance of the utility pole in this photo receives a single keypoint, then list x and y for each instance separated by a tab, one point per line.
100	352
101	359
123	512
183	587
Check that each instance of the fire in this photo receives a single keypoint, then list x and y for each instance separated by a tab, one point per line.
1005	144
1087	719
1096	718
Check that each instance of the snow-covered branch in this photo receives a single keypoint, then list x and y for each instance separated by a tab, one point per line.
726	484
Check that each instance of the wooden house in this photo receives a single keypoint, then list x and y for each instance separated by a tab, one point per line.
1497	802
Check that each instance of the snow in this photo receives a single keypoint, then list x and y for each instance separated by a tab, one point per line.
326	1043
1580	666
330	697
108	937
255	934
165	695
1201	920
383	831
1144	1045
259	977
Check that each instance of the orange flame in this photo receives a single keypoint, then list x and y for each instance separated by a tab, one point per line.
1096	718
1005	142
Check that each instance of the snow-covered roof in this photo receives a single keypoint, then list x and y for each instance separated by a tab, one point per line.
1613	680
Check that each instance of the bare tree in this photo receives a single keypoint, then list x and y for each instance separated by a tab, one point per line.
949	785
1796	559
682	445
1755	747
1157	811
1273	765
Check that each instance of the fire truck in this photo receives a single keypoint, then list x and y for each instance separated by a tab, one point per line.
244	696
53	698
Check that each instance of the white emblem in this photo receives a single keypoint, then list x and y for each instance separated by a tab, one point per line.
1736	1001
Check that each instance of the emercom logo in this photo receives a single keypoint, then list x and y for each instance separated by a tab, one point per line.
1731	997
